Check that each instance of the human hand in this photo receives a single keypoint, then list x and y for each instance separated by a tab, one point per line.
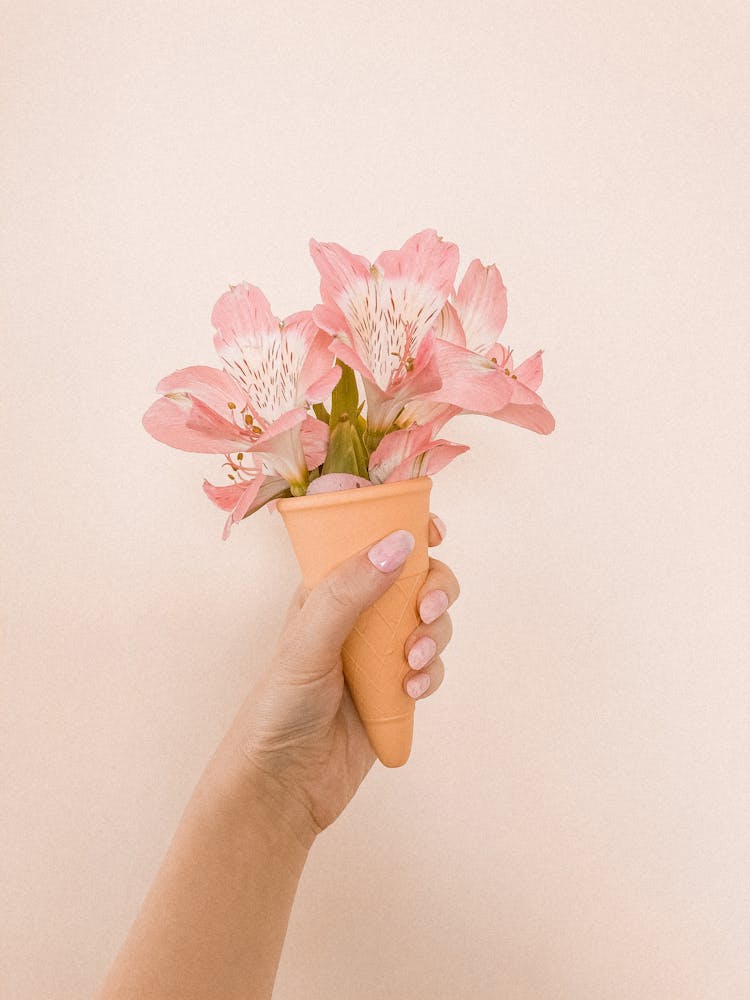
298	729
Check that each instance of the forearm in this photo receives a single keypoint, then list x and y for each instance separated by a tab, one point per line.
214	921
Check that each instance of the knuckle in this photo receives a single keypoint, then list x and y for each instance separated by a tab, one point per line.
339	591
441	575
451	585
291	647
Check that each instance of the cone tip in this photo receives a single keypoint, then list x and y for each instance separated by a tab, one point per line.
391	739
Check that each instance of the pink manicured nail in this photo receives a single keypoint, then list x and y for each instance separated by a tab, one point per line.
433	605
392	551
422	652
440	525
418	685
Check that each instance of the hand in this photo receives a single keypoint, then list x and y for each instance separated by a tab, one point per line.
298	728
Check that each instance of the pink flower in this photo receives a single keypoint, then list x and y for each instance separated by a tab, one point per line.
410	453
525	408
257	403
251	492
468	331
382	316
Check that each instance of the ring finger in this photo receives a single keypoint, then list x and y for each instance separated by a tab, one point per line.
422	683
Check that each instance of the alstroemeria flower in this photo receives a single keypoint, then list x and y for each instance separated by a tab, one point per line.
525	408
382	315
257	404
410	453
251	491
470	325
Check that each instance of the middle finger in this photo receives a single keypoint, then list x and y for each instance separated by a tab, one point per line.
426	641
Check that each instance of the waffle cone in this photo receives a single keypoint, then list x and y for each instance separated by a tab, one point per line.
326	529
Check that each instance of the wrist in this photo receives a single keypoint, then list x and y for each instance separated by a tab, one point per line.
260	799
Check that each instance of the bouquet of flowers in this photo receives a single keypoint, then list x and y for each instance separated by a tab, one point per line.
311	409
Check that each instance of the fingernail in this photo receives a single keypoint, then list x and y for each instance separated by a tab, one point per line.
392	551
439	524
416	686
422	652
433	605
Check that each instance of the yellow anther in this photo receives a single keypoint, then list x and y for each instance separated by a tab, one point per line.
507	371
240	455
232	406
248	419
514	376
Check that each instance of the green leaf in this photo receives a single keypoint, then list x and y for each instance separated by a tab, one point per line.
344	449
345	396
373	439
360	452
321	412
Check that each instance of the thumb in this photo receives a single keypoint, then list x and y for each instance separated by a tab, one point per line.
333	607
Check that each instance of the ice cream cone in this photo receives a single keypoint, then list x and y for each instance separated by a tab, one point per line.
326	529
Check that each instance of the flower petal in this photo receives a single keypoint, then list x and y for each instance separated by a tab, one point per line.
409	453
211	386
285	450
329	317
530	371
339	269
341	349
427	411
284	423
435	457
448	326
482	306
470	380
314	434
242	310
243	499
320	373
534	417
226	497
395	448
424	259
186	423
384	406
526	408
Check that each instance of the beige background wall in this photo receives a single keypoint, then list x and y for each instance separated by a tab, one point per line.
574	821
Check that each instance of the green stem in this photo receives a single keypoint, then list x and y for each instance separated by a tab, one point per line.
373	439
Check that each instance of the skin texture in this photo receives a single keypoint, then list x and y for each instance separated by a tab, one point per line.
214	920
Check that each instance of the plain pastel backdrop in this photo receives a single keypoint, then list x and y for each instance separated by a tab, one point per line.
574	821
